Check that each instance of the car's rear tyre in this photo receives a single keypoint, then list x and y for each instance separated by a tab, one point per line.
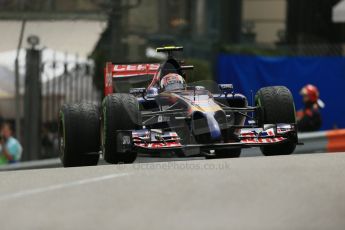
120	112
79	134
276	106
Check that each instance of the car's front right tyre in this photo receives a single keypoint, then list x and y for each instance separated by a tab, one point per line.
79	134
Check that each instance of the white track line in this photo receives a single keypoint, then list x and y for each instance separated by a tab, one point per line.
35	191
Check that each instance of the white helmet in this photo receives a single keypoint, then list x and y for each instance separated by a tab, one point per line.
172	81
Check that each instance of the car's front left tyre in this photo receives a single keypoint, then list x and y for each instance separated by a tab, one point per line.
276	106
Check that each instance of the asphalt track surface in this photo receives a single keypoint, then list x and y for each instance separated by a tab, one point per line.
283	192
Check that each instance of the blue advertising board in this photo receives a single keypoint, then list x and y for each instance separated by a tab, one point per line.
250	73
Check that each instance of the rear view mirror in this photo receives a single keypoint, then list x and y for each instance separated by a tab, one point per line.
226	87
137	90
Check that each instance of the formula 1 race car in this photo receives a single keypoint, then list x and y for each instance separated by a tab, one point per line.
168	117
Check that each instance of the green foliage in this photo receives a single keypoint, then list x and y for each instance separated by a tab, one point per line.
254	50
202	70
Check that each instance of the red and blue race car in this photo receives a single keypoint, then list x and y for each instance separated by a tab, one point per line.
149	109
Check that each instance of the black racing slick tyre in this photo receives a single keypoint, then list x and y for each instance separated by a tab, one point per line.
276	106
120	112
79	134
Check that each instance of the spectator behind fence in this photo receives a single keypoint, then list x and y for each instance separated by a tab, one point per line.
309	118
10	148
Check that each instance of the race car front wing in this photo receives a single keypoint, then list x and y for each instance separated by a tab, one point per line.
155	140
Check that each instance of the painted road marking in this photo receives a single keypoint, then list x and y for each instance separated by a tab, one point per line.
35	191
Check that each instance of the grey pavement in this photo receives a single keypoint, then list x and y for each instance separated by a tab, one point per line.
283	192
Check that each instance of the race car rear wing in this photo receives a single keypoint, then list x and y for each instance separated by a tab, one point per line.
169	49
118	72
131	72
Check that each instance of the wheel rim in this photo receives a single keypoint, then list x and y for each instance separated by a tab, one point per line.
62	143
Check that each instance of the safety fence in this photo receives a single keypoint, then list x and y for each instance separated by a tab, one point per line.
63	82
283	49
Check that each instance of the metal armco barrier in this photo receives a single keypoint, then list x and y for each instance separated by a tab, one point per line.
313	142
37	164
325	141
336	140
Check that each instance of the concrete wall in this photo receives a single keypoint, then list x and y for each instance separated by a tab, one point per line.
268	16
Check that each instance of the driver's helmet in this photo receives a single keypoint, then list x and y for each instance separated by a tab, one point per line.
172	81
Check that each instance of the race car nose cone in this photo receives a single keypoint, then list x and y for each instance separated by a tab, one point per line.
215	131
